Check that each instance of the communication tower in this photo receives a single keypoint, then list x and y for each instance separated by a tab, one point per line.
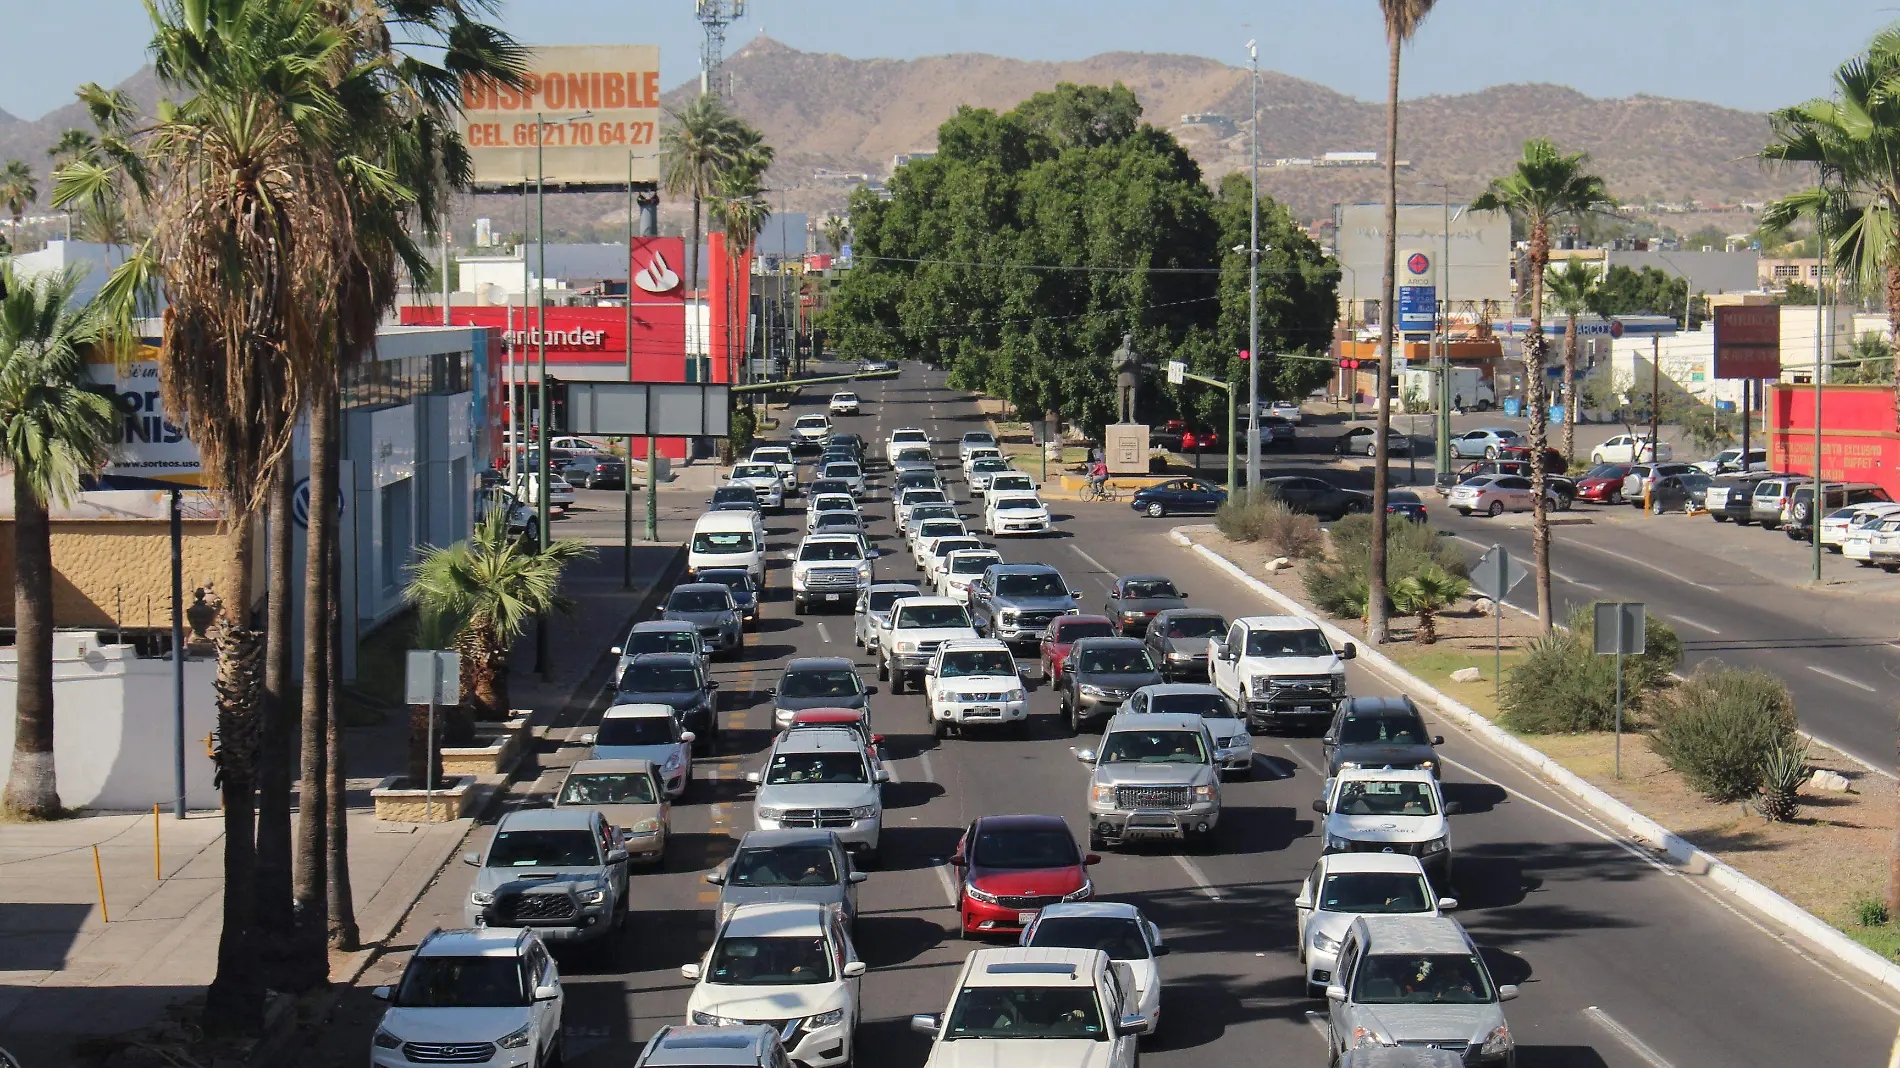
715	16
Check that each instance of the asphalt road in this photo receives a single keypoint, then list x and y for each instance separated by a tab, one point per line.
1623	963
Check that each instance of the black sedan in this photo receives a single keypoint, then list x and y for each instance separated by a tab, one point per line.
1315	496
1178	496
1405	503
597	472
1135	599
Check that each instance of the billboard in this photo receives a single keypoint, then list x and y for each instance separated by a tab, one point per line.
1748	341
586	106
1418	292
149	444
1477	268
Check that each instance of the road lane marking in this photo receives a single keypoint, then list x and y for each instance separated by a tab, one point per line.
1644	564
1624	1035
1838	677
1318	1020
823	636
1200	878
923	758
949	886
1687	622
1301	757
1561	577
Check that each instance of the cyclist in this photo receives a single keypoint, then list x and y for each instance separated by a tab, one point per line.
1098	476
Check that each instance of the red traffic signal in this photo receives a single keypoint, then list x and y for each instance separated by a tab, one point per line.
1349	364
1244	354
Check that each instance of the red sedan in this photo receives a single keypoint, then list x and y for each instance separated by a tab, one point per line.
1603	483
1064	632
1013	866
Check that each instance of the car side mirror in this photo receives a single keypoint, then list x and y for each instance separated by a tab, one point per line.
753	777
616	650
717	878
956	860
381	993
689	971
550	992
1091	860
472	859
1507	992
1350	652
1327	738
1113	596
587	739
883	776
1446	904
1454	808
877	739
1438	739
857	876
771	691
925	1024
1319	805
1086	756
1335	992
1162	950
1134	1023
871	691
712	684
688	736
616	856
853	969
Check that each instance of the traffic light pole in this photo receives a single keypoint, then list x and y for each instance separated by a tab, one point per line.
1228	388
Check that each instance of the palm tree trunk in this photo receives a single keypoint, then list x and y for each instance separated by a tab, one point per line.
1893	325
343	932
1534	351
1388	311
692	286
275	918
32	785
309	890
1570	391
234	1003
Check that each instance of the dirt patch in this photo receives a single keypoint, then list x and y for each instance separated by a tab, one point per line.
1832	856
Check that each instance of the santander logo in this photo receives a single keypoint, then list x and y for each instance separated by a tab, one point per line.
656	276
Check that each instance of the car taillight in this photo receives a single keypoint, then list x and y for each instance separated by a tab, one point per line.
1187	440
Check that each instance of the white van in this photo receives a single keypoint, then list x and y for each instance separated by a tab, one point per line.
728	539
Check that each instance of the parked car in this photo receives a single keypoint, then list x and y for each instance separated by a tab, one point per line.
680	682
806	865
1098	675
820	779
1365	440
1063	632
1135	599
561	497
1770	499
817	682
1854	523
1883	549
1379	732
1153	776
1486	442
1680	493
1496	494
844	402
1631	449
794	959
1732	497
1554	461
1345	886
599	471
558	871
1177	641
1729	461
631	794
1414	981
1603	483
1010	867
1797	518
1178	496
1315	496
492	988
1636	483
1118	929
1233	745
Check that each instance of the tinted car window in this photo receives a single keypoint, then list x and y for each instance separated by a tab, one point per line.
1088	628
783	866
825	682
1119	937
662	641
609	788
932	616
698	601
830	550
723	541
1287	643
1115	659
1414	979
770	961
1044	584
641	730
978	662
544	849
1367	730
1026	847
1154	747
810	769
1212	705
1375	892
1195	627
462	983
659	678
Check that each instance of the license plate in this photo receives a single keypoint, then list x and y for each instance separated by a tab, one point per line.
1302	708
831	596
985	710
1025	918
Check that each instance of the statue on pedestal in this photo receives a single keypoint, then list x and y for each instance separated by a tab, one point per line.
1127	378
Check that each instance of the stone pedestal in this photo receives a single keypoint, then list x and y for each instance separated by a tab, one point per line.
497	747
1125	446
394	804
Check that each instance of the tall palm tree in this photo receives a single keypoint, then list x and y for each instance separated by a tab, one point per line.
1402	20
53	429
1543	186
743	209
102	215
18	190
694	150
837	232
1572	292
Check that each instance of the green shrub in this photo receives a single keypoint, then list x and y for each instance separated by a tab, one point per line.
1339	584
1871	912
1337	590
1562	686
1256	517
1720	728
1782	774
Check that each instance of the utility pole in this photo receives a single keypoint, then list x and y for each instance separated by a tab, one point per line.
1253	287
542	657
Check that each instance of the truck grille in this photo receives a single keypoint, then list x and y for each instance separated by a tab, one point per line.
831	578
1035	619
1026	902
979	698
448	1052
520	907
820	817
1132	797
927	648
1295	686
1410	849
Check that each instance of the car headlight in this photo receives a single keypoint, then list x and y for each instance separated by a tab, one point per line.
1014	693
1101	795
646	826
1498	1041
1426	765
1087	891
706	1019
766	813
1366	1036
1334	841
1436	845
1009	615
906	647
1348	764
1176	658
385	1040
593	895
1131	614
1325	943
1093	691
824	1019
517	1038
864	812
481	897
1203	793
977	893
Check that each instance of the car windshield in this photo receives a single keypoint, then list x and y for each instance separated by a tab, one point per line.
778	961
1118	936
940	528
974	564
1372	730
820	682
772	456
609	788
916	497
1036	584
1154	747
882	600
978	662
662	641
1375	892
1115	659
841	470
932	616
722	542
917	455
903	437
766	471
988	464
658	678
544	849
1088	628
1195	627
636	730
979	437
812	865
1287	643
1143	588
1377	798
1018	504
943	547
924	512
1012	482
1205	705
699	601
735	495
463	983
832	502
1025	1013
833	522
1414	979
732	579
816	769
1025	847
831	550
810	421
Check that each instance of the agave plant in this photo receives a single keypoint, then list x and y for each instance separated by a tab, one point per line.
1425	594
1782	774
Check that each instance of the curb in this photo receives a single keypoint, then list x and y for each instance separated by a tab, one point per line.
1644	830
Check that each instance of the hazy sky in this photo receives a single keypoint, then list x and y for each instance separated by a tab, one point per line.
1753	54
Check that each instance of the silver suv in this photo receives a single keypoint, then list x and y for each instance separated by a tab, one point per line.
1771	496
738	1046
560	871
821	779
1154	777
1417	981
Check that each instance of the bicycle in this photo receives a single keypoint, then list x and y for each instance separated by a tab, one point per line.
1103	491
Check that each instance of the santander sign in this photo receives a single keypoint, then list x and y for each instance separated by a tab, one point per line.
657	276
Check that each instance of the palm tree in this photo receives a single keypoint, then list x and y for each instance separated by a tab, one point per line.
1544	186
837	232
53	429
1572	291
1402	20
18	190
1425	594
100	216
694	150
485	591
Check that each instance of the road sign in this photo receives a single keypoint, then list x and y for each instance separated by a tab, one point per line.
432	676
1619	628
1748	341
1177	372
1496	572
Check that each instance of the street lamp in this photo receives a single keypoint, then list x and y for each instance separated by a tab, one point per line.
1253	284
542	407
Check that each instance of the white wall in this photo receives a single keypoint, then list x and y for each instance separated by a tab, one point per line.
113	735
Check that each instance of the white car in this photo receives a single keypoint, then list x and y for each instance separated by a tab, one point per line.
1730	460
577	447
937	555
1840	524
1369	810
981	470
1343	886
916	627
844	402
780	457
903	438
811	428
1116	928
1012	482
973	683
975	439
1013	513
1497	494
1631	449
646	732
828	502
1287	410
911	498
560	493
850	474
764	479
1037	1008
485	988
1858	545
963	567
981	452
931	529
790	963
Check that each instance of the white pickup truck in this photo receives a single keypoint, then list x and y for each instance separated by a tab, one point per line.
917	627
1279	668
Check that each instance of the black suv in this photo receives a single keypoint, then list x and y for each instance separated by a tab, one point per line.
679	681
1380	732
1315	496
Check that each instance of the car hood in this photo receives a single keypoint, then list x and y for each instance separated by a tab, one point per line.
1226	731
679	702
1029	881
1036	604
1386	828
454	1025
1447	1023
757	482
766	1002
1382	755
978	683
625	816
1021	1053
528	880
1126	773
1292	665
701	619
795	704
656	755
734	896
1130	681
1150	605
828	795
934	634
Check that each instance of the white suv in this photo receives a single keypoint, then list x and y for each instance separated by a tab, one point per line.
1385	810
790	965
488	995
829	569
961	569
974	683
904	438
1028	1006
811	428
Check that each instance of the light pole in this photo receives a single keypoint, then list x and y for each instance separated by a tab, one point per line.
1253	285
541	406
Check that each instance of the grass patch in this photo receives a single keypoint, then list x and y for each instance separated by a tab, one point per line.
1884	940
1435	666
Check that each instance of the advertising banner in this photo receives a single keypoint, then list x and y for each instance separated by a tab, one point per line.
1748	341
150	445
1418	292
586	106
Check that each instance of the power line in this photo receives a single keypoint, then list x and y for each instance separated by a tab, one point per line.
1063	267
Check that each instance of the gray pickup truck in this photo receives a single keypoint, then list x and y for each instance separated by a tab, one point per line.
1017	602
1154	777
561	871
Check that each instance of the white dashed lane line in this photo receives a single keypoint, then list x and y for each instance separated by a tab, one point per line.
1627	1038
1200	878
1838	677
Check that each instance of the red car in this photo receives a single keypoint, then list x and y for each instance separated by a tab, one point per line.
851	719
1063	633
1010	867
1603	483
